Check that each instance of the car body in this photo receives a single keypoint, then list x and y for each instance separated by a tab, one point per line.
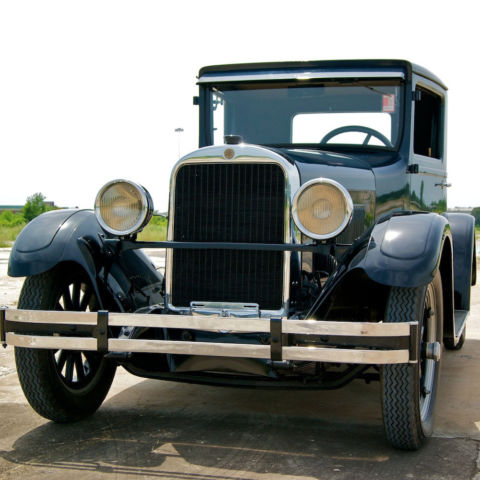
308	245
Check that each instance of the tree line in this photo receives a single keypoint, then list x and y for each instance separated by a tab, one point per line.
476	213
34	206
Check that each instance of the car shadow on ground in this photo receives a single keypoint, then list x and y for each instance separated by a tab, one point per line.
158	445
178	431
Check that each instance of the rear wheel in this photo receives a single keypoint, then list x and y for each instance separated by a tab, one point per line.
449	345
62	385
409	390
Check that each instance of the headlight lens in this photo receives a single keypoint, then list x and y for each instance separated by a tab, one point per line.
123	207
322	208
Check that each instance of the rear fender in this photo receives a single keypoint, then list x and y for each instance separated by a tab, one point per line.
464	257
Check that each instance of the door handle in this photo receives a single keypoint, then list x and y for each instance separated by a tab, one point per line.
443	185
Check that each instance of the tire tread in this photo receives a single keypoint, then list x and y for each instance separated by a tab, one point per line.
401	420
35	368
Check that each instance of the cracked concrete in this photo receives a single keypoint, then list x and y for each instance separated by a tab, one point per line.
476	473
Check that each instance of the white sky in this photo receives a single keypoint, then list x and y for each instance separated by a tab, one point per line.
93	90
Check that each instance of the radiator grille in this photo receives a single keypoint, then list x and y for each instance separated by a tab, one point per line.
234	202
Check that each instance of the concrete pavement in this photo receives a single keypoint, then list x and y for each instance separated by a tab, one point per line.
162	430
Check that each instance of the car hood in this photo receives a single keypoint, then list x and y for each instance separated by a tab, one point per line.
354	173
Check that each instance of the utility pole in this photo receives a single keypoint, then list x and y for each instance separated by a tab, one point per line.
179	130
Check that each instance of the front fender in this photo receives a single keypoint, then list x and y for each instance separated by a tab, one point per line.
74	236
405	250
53	238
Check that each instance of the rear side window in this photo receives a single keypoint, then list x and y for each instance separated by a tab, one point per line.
428	127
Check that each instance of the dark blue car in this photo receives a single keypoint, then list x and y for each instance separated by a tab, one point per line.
307	246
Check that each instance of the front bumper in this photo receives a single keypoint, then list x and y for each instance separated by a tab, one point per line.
388	343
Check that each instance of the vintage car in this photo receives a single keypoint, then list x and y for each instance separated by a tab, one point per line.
307	246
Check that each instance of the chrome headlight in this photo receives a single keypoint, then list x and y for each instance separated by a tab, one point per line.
322	208
123	207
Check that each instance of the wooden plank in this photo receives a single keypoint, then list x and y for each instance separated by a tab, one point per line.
213	323
190	348
53	316
194	322
343	355
54	343
317	354
350	329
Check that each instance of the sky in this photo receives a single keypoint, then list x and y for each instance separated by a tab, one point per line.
91	91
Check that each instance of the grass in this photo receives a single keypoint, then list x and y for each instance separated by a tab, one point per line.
8	234
153	233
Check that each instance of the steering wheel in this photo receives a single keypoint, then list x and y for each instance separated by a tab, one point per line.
370	132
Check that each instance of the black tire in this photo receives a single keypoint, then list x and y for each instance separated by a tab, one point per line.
62	385
409	390
449	345
325	264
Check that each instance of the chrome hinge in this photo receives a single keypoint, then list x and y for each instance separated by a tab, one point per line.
413	168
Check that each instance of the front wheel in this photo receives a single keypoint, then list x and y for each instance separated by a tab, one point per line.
409	390
62	385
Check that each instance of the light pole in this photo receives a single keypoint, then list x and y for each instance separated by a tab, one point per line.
179	130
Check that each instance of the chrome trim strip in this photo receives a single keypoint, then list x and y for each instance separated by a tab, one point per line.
247	154
239	310
300	76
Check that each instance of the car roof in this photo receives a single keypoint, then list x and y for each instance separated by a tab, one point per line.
270	69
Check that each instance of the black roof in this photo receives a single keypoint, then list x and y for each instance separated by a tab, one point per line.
323	64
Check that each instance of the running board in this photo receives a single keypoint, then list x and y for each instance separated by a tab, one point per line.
460	322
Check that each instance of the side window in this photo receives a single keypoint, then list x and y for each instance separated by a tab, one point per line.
428	127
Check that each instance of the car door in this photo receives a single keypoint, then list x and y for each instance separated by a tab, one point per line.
428	179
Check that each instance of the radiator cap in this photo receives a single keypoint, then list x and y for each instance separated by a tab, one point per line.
233	139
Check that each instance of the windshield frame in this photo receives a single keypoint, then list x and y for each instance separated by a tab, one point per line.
207	91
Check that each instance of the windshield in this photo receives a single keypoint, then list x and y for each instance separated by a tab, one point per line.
359	113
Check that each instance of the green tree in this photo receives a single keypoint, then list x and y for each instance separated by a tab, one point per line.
476	213
10	219
34	206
